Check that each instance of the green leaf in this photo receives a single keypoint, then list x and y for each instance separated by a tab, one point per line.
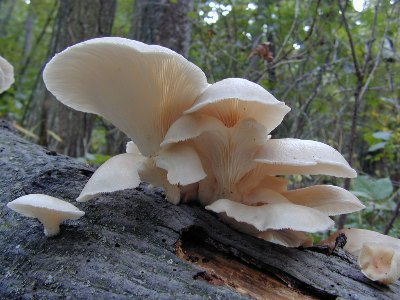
382	135
96	159
371	189
389	100
361	194
377	146
192	15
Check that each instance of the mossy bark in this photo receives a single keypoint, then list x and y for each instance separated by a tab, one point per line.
134	244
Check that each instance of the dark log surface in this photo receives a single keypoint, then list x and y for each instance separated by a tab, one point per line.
134	244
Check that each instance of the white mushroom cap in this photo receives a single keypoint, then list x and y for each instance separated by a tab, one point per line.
287	238
132	148
274	216
6	75
295	156
118	173
175	165
234	99
329	199
284	237
142	89
182	163
50	211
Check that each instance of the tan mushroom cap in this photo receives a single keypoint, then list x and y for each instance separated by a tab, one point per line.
50	211
256	179
6	75
190	127
378	254
287	238
380	262
357	237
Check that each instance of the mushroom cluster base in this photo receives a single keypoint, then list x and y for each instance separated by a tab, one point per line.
134	243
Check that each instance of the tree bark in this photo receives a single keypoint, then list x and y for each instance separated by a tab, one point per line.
133	243
159	22
70	130
163	22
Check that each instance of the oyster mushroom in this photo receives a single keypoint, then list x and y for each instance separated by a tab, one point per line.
380	262
6	75
378	255
50	211
234	99
274	216
142	91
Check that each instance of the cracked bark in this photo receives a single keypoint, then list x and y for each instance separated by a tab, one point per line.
134	244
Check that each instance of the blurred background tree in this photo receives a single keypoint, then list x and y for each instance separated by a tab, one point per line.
76	21
335	63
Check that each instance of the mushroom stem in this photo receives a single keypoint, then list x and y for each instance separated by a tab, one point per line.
51	226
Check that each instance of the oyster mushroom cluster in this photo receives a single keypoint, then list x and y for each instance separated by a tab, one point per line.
209	142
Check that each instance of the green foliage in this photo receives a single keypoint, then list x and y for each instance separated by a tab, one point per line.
123	17
372	189
24	42
96	159
378	196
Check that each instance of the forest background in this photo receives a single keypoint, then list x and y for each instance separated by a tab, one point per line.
333	62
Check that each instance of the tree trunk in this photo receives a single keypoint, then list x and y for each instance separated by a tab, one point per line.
164	23
159	22
134	244
70	130
6	11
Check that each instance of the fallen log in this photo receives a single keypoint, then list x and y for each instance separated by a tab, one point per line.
134	244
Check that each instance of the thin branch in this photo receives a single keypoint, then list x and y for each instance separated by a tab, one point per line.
312	26
372	39
350	38
38	41
374	88
395	215
296	16
306	75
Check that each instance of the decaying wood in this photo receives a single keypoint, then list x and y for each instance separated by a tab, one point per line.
134	244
